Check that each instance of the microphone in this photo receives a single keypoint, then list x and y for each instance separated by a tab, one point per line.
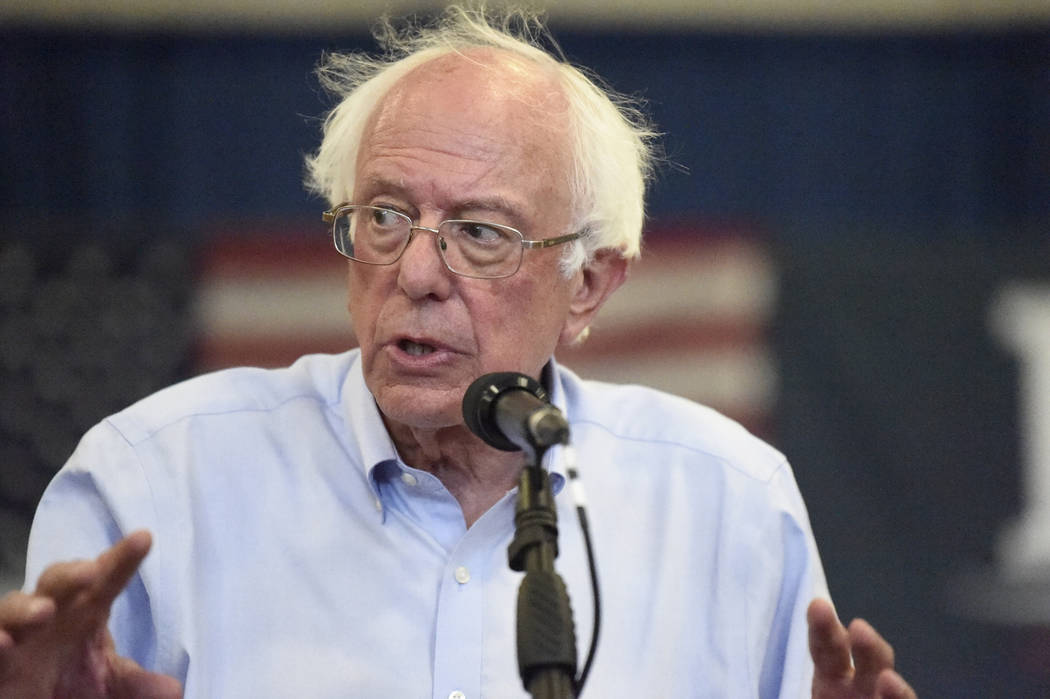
511	411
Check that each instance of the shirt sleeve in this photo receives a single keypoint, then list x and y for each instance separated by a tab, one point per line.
787	669
97	498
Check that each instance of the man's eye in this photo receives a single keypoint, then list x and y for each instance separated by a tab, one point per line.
385	219
480	233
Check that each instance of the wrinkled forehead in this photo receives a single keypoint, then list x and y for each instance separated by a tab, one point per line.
463	109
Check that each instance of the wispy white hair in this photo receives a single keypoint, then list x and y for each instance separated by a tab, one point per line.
610	138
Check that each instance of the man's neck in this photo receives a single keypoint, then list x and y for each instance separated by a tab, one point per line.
477	475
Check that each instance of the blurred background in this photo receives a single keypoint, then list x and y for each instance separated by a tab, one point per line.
848	250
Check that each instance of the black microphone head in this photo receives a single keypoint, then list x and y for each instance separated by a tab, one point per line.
480	399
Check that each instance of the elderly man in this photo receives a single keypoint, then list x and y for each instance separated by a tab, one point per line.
333	529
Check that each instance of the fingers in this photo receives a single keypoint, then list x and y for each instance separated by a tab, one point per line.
19	610
20	615
871	653
57	636
75	596
102	579
118	564
853	662
829	642
890	685
874	658
61	581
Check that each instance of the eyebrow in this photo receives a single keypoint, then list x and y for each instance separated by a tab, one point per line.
377	184
496	203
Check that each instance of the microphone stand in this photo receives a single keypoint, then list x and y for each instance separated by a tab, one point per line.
546	636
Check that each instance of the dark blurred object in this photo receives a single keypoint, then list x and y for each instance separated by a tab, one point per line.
85	329
899	410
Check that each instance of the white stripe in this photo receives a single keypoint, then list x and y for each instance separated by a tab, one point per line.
735	285
256	308
723	284
738	381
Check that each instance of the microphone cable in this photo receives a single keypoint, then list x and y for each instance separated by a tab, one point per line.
579	498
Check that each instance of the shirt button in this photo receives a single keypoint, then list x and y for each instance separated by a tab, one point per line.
457	695
462	577
409	479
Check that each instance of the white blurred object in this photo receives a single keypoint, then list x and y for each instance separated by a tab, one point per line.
1021	320
1017	590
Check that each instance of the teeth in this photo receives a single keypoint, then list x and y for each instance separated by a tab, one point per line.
416	349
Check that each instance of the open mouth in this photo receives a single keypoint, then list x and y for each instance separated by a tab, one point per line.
415	349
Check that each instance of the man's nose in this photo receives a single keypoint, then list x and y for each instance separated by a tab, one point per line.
422	270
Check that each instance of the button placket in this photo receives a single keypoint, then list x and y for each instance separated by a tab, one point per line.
459	638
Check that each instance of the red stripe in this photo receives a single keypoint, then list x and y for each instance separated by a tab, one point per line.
271	254
215	352
288	252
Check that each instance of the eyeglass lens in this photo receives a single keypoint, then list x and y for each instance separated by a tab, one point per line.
379	236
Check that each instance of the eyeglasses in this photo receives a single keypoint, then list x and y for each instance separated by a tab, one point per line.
377	236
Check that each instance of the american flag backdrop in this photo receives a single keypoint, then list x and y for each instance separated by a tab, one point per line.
692	318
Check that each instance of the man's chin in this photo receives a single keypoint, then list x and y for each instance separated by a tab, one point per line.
421	407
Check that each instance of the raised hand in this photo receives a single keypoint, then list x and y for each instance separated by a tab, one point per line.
54	642
870	674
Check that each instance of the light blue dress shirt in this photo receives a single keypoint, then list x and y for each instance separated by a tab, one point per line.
295	555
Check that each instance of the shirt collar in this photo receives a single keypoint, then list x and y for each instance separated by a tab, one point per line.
365	425
375	446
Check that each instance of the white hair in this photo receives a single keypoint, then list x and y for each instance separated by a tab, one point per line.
610	139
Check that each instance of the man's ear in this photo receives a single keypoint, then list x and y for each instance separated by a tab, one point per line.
597	280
